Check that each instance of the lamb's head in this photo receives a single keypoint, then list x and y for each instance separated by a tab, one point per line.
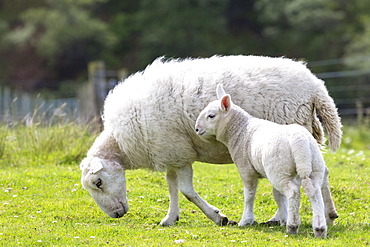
212	116
106	183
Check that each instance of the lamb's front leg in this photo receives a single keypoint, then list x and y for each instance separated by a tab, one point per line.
185	182
250	187
173	213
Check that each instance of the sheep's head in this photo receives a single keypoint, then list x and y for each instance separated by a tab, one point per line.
209	118
106	183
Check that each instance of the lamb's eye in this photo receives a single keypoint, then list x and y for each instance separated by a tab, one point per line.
211	116
98	183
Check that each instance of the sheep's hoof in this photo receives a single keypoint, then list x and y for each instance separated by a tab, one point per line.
292	229
333	216
224	221
320	232
330	218
271	223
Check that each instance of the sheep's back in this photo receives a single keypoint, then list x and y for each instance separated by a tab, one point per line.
153	112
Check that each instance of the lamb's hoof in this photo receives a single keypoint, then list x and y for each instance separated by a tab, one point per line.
320	232
248	224
292	229
271	223
232	223
167	222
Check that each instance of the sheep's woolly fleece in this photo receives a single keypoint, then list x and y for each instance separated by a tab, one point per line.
152	113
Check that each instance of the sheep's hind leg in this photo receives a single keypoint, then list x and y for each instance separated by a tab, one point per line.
185	182
313	190
280	216
330	211
173	214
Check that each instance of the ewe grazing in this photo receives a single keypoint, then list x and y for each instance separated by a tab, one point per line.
287	155
149	122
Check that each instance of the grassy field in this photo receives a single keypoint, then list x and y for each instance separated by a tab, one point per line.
42	202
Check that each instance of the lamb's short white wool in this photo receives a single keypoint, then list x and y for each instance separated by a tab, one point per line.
287	155
149	121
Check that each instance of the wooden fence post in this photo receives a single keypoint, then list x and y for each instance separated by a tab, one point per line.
90	97
360	111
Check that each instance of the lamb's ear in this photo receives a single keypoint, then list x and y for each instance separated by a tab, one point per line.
220	91
226	102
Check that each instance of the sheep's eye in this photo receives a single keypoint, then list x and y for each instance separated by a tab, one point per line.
98	183
211	116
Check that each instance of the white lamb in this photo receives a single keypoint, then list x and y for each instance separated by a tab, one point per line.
287	155
149	122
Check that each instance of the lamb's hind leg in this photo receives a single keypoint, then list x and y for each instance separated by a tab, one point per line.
292	192
185	182
173	214
312	187
330	212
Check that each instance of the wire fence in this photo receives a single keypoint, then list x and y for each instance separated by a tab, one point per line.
18	106
350	89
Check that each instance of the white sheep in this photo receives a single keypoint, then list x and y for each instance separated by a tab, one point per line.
149	122
287	155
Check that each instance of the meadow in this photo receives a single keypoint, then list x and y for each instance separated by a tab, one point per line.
42	202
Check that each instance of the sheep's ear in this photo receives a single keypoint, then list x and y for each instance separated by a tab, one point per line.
84	164
95	166
226	103
220	91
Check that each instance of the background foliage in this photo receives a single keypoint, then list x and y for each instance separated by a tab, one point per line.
44	40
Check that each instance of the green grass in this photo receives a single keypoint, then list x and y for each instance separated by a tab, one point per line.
42	202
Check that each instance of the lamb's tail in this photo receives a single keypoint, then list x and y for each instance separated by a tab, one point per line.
302	155
326	108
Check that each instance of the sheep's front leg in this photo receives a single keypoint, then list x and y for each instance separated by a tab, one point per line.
281	214
173	213
185	182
